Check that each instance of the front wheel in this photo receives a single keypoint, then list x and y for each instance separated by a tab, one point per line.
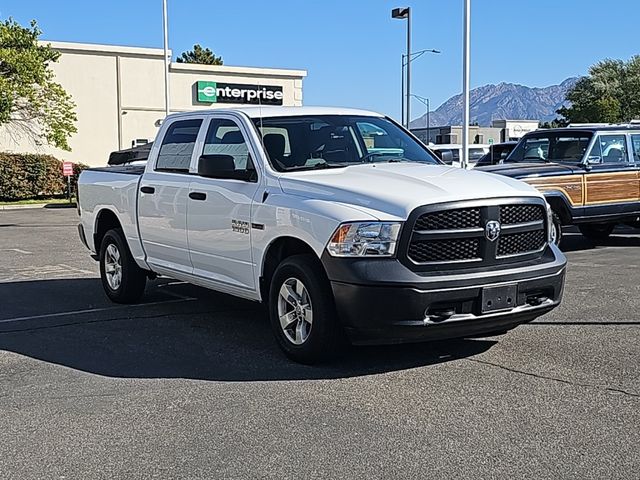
302	311
122	279
556	229
597	231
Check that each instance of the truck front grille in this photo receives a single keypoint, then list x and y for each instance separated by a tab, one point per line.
518	243
445	250
458	234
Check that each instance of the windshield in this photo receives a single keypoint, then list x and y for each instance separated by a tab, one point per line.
336	141
552	147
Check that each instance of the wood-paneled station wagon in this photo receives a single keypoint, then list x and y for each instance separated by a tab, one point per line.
590	175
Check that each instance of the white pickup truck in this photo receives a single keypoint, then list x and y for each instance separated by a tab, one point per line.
340	220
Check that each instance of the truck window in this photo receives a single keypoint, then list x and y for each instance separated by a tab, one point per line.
177	146
225	138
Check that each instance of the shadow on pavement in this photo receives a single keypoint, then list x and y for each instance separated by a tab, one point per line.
623	236
182	331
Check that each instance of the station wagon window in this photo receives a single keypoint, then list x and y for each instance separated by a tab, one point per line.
225	138
554	147
609	149
635	141
177	146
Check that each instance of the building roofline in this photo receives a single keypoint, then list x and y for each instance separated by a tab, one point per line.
275	72
177	67
102	48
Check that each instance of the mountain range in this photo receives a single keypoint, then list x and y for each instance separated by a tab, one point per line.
502	101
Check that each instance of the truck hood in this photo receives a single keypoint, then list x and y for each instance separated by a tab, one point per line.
393	190
521	170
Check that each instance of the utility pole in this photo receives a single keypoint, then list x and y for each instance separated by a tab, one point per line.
166	57
465	84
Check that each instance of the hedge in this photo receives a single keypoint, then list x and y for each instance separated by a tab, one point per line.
24	176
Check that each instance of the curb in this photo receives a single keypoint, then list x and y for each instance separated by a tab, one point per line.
38	205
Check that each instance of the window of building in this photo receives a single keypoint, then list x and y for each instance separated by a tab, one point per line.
177	146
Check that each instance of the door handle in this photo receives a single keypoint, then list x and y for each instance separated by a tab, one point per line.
147	189
197	196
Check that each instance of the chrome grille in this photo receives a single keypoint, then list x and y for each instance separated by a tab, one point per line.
456	235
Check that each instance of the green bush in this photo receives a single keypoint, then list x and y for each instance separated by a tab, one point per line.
24	176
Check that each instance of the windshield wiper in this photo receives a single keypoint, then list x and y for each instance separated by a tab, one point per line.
317	166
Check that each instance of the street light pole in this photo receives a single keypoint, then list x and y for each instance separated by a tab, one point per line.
465	84
425	101
166	56
408	68
405	13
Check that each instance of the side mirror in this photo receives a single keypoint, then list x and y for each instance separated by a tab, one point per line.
446	156
224	167
594	159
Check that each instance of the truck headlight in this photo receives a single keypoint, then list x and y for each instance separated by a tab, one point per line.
365	239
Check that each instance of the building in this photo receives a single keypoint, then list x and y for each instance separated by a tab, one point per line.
499	131
119	96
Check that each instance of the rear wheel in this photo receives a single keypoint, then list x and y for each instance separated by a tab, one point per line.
597	231
302	311
122	279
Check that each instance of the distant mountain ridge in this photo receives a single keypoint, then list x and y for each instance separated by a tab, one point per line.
502	101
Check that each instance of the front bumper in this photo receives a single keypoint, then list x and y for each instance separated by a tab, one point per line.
381	301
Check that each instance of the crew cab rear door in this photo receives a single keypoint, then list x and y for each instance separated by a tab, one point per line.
219	207
162	200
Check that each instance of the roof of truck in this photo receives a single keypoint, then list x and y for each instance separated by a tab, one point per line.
277	111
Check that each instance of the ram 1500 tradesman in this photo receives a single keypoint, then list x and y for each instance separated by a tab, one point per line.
341	221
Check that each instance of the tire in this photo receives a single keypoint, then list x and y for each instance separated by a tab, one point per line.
596	231
556	232
122	279
300	291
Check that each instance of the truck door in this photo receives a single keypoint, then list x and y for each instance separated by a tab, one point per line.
162	201
612	182
219	209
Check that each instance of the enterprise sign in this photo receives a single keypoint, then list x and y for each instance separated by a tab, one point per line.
216	92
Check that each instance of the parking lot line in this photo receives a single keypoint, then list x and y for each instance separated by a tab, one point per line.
93	310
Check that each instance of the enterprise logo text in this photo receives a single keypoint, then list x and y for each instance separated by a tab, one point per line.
216	92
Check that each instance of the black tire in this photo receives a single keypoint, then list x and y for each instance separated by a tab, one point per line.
325	338
132	278
557	226
596	231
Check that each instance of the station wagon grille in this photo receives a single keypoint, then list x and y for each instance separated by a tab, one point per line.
457	235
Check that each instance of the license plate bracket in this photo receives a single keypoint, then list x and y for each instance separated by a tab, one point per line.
495	299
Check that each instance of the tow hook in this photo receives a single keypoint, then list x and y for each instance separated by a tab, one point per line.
535	301
439	315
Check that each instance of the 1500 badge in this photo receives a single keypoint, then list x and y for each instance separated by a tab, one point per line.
240	226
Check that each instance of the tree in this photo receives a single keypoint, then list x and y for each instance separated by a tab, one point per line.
609	94
200	55
31	102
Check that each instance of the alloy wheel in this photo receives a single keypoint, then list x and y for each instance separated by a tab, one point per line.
295	311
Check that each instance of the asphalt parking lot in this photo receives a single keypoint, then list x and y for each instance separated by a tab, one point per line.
190	384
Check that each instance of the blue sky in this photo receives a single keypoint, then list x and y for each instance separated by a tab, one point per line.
351	48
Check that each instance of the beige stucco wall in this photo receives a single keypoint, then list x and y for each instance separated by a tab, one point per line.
119	93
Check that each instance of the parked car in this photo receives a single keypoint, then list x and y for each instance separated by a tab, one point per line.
496	154
589	175
339	220
450	153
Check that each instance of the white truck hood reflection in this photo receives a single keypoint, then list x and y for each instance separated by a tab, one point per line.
395	189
